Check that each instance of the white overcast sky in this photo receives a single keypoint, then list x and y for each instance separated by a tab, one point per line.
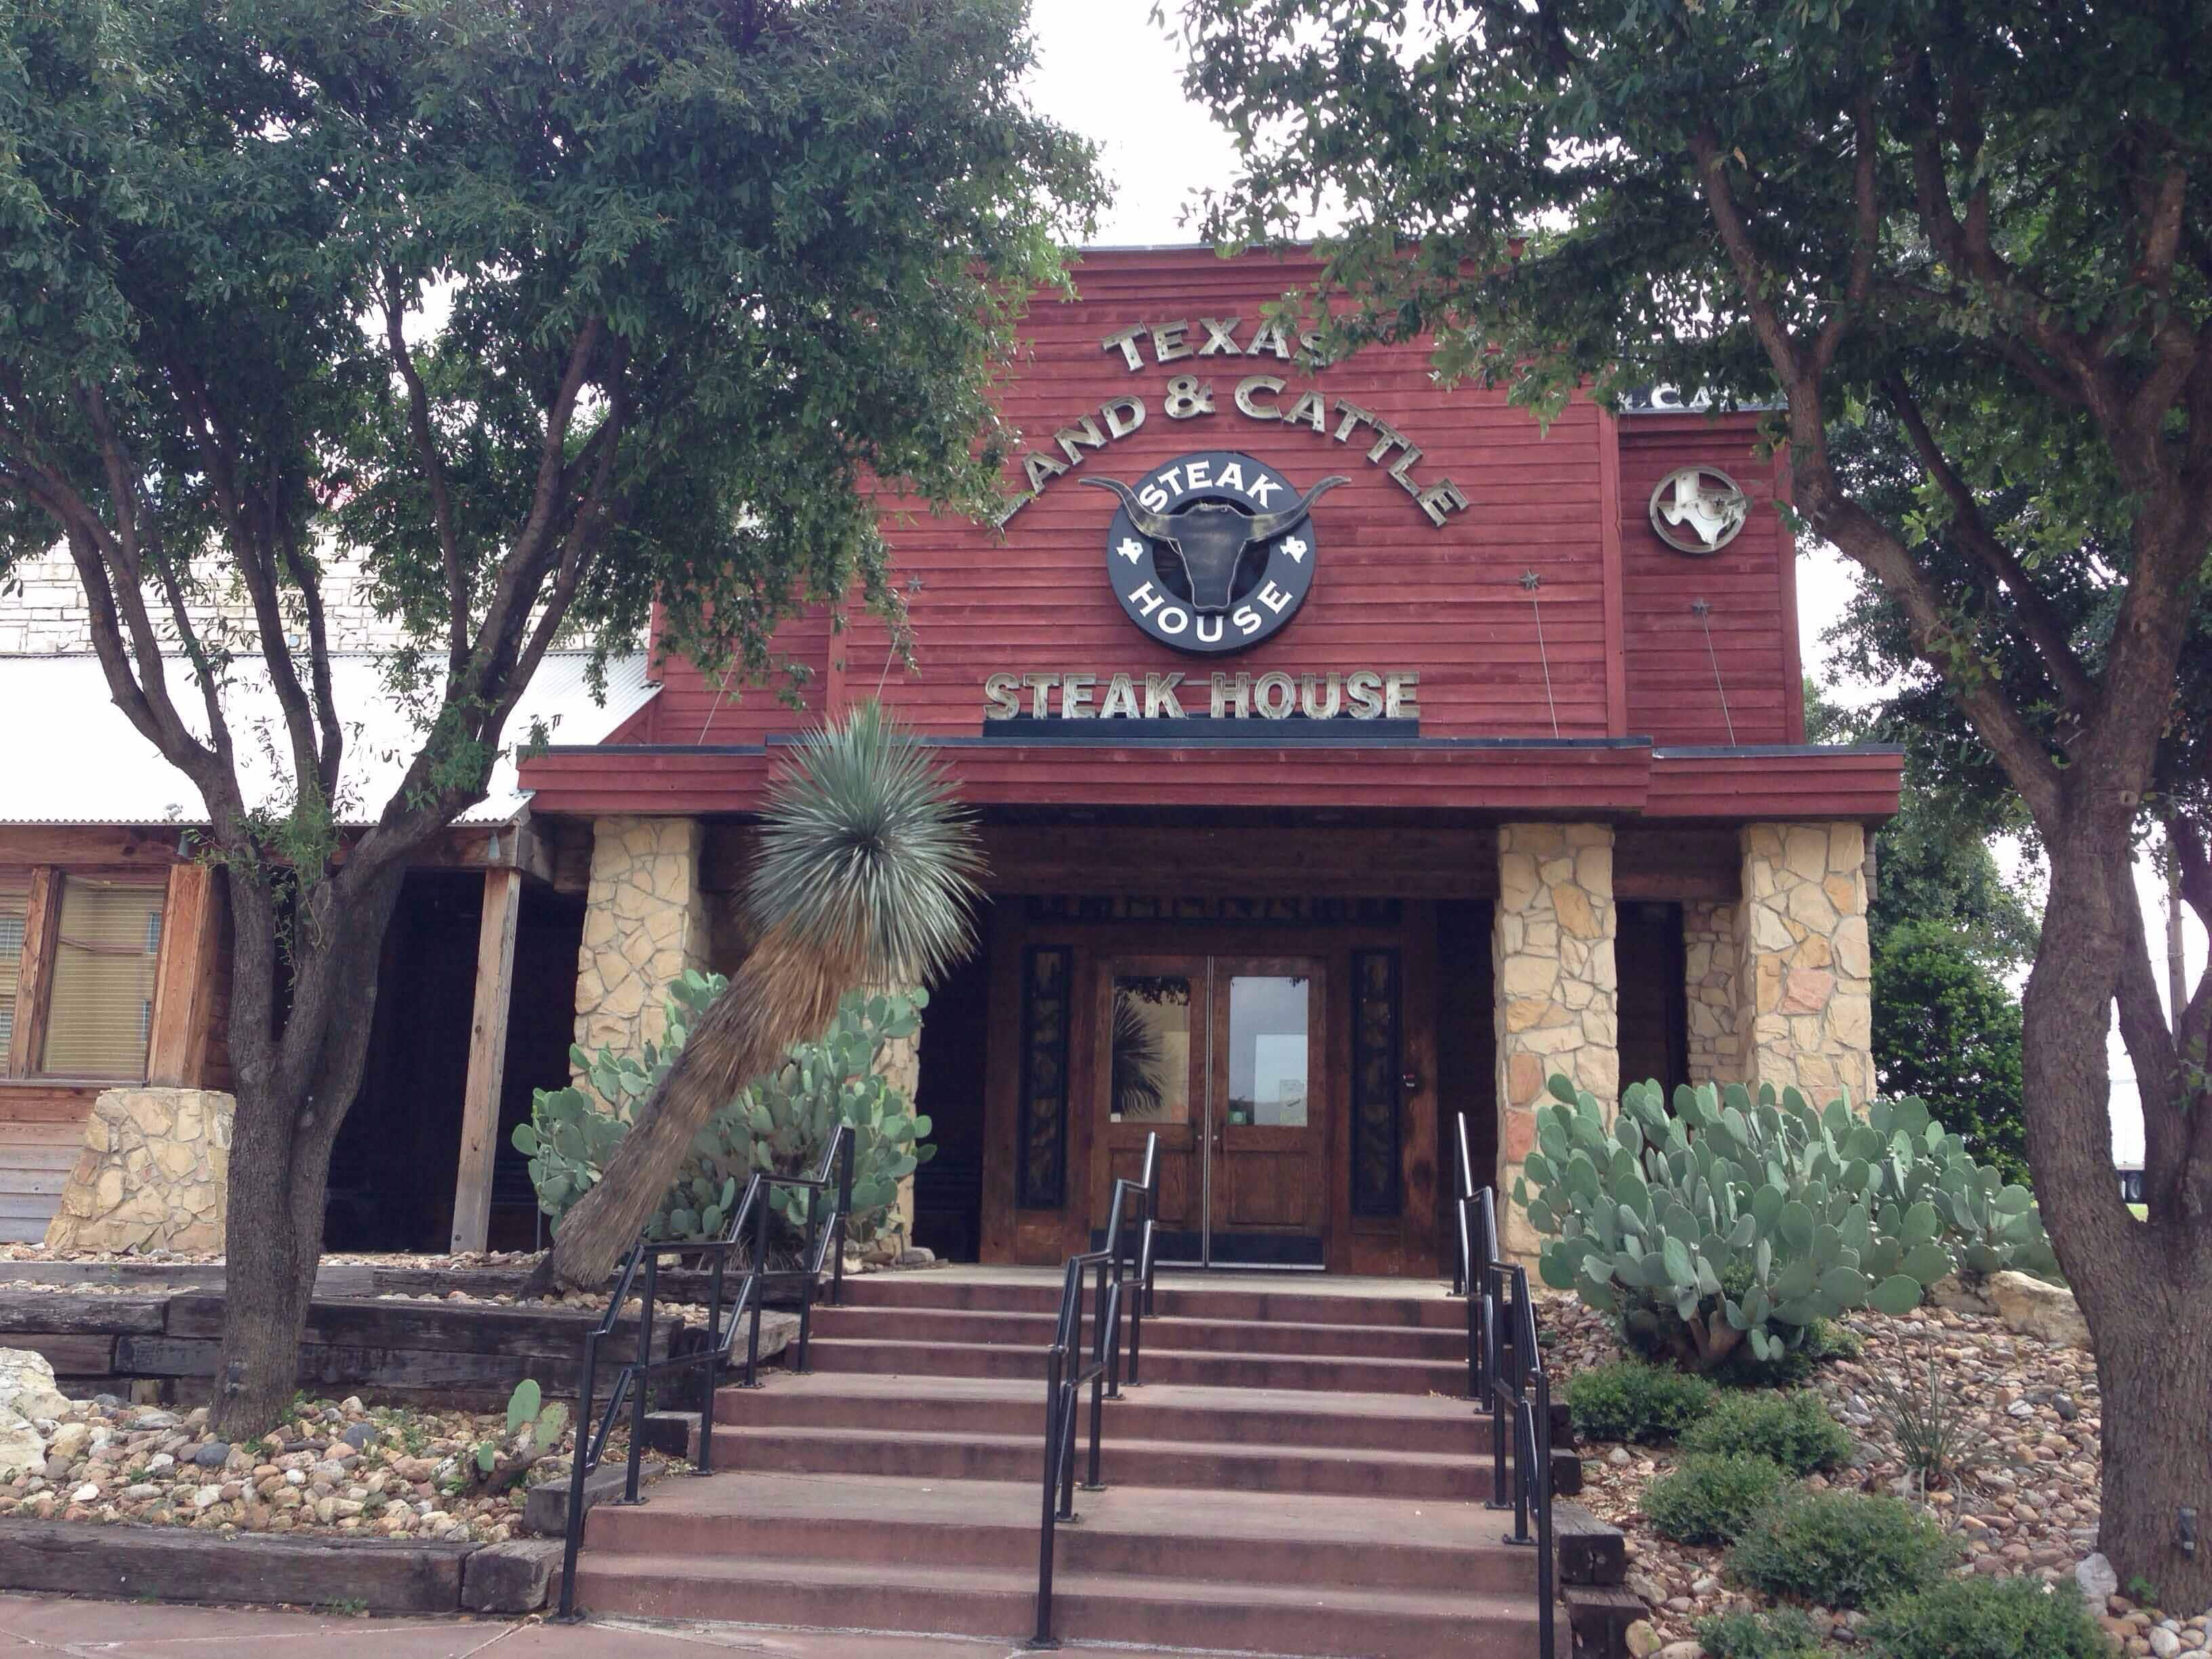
1111	75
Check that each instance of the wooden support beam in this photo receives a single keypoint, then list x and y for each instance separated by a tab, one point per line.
502	905
184	978
34	971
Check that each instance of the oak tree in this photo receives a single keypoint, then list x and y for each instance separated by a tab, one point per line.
537	311
1986	222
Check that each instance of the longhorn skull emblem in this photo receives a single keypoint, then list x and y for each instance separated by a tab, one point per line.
1211	537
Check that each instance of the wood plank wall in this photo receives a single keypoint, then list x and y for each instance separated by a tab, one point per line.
1619	649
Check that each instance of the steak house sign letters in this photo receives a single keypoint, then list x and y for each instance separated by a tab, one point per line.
1256	397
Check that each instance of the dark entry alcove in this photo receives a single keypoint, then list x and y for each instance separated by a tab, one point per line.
1466	1053
948	1190
1655	1009
396	1156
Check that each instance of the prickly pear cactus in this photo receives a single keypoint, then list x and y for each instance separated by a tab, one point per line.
1730	1221
780	1124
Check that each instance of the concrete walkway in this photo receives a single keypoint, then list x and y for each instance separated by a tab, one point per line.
35	1626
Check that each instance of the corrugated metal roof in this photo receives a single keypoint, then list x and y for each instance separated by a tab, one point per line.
69	756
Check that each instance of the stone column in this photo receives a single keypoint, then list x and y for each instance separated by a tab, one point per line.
1711	952
645	922
1805	990
1552	945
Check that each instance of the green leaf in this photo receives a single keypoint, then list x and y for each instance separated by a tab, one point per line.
486	1455
522	1405
1897	1296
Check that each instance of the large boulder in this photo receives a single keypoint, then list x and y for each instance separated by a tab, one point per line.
26	1386
2037	1308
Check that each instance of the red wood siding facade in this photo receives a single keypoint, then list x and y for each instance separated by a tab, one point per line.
1623	657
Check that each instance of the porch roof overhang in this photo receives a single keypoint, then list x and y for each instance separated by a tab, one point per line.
1272	769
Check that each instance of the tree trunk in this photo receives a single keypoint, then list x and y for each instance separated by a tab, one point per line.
2154	1349
281	1142
2138	1284
786	992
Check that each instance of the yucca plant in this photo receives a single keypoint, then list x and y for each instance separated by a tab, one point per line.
866	874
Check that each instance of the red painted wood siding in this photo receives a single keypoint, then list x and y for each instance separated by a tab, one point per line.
1392	592
1750	585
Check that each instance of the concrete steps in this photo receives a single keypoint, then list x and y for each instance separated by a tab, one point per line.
1336	1373
1296	1476
1154	1613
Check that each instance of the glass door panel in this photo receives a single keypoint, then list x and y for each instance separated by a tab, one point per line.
1268	1194
1151	1065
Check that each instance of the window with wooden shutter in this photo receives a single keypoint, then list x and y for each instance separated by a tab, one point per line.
100	1012
14	918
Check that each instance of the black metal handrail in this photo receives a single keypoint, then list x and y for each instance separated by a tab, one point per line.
1475	1211
1101	1370
748	1229
1506	1367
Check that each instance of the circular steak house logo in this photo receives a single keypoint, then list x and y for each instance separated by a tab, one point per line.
1212	552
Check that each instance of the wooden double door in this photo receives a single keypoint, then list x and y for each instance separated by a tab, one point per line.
1223	1058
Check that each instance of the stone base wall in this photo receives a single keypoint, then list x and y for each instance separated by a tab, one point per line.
645	922
1805	993
1710	953
155	1174
1552	945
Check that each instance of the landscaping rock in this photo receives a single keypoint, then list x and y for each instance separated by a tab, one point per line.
2098	1582
2035	1308
1642	1640
26	1386
545	1510
212	1456
22	1447
520	1576
1959	1297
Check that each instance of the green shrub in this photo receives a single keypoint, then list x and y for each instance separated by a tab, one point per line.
1795	1430
780	1123
1784	1633
1989	1619
1731	1222
1712	1498
1841	1549
1627	1401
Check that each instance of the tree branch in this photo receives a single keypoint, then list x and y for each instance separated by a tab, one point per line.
1773	334
1866	237
257	569
2042	623
433	472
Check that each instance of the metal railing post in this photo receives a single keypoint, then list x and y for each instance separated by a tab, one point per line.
844	1150
1547	1591
711	1372
1473	1306
1055	1362
573	1529
806	1280
760	1280
641	1375
1500	1496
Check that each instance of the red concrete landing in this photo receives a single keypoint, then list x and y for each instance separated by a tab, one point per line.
32	1626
